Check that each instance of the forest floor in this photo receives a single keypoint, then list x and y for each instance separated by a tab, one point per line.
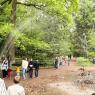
55	82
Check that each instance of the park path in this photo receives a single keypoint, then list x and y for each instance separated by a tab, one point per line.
70	89
40	85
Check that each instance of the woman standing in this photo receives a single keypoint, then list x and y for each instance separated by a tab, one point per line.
31	68
4	68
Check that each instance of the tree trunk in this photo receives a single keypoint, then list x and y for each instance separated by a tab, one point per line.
14	5
11	47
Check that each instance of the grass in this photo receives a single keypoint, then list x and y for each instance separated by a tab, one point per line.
81	61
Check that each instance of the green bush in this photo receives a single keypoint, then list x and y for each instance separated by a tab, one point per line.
83	61
91	54
43	60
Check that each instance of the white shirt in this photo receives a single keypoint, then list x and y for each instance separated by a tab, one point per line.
2	87
24	64
15	89
4	65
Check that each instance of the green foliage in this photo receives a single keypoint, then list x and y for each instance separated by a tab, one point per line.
23	42
91	40
4	32
43	30
5	29
84	23
91	54
83	61
5	13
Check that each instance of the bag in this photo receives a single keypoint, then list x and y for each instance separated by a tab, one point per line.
30	65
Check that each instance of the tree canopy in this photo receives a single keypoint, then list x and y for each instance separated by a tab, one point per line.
45	28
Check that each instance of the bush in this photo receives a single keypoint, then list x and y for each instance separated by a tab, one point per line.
83	61
91	54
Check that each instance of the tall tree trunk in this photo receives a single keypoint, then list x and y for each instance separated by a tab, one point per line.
11	50
14	5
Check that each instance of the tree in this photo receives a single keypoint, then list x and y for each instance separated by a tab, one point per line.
84	23
42	35
60	8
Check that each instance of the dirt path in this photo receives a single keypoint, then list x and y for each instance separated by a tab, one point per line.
70	89
40	85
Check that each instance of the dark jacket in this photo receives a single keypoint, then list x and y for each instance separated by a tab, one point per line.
36	64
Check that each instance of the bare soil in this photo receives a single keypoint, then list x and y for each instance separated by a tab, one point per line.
40	85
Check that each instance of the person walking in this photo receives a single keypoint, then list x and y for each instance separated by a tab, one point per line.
2	87
24	68
16	88
36	67
30	66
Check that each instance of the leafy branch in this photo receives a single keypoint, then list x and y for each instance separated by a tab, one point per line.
37	6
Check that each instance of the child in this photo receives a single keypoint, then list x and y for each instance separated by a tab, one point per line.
9	72
18	71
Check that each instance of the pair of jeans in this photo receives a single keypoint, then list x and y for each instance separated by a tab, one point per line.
36	72
4	73
24	72
31	72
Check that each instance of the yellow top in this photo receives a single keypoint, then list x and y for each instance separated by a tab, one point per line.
17	69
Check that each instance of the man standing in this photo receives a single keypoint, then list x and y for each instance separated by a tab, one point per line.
16	89
36	66
24	68
2	87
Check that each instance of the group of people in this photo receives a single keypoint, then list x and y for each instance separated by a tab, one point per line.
14	89
62	61
30	66
26	66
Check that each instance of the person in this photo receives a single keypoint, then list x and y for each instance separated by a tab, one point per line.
68	61
4	68
16	88
18	70
69	56
93	60
2	87
24	68
56	63
60	60
63	61
30	65
36	67
10	71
